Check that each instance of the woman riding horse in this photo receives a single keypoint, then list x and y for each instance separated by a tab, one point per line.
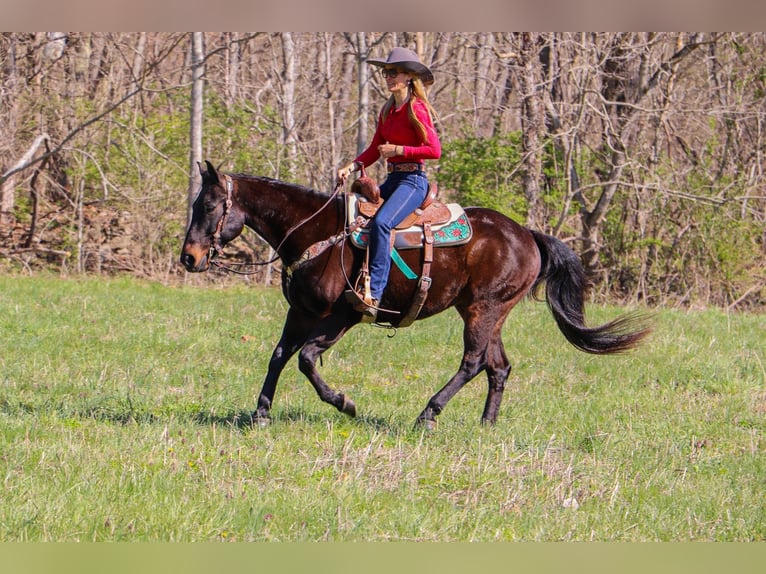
483	279
405	136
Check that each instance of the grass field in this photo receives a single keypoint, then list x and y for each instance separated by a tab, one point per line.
120	400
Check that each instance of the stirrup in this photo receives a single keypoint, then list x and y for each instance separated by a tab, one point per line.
367	306
369	311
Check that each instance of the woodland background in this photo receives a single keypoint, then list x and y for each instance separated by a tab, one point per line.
644	151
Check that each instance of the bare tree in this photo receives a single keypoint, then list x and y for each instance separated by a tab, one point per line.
233	66
644	149
363	101
628	76
196	111
288	100
532	125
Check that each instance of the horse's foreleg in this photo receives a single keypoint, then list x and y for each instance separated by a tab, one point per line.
294	335
327	333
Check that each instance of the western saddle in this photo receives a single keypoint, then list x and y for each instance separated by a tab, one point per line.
431	212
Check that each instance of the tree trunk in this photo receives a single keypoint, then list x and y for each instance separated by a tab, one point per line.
592	220
362	137
197	92
138	62
343	105
482	89
289	78
531	127
234	58
8	126
8	179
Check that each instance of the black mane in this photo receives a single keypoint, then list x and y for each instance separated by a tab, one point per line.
281	184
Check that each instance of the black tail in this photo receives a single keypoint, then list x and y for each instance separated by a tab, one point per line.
565	286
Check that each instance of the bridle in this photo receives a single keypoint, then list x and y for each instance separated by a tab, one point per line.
314	250
216	249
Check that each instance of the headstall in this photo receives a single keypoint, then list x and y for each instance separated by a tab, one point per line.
216	248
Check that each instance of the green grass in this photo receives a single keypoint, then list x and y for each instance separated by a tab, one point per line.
120	402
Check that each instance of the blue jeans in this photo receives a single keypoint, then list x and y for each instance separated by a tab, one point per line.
404	192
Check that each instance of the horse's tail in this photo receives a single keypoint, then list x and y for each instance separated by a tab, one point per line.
565	286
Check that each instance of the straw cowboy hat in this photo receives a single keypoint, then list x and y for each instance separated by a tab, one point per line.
406	60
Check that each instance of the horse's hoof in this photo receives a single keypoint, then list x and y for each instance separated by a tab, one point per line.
348	407
263	422
260	421
428	425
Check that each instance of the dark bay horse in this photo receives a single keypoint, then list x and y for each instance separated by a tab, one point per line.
483	279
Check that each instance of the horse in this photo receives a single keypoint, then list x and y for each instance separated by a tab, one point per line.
483	279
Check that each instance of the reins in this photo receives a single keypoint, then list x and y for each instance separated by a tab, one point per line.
314	250
217	249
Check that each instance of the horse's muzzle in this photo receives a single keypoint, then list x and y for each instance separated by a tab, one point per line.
192	264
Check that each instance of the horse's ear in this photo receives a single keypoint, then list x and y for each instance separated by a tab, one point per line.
208	173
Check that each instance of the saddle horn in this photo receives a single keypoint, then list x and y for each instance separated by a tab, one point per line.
366	187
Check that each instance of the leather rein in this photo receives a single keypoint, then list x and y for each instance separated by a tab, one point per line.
216	249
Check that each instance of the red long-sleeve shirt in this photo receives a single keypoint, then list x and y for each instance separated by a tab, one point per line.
396	129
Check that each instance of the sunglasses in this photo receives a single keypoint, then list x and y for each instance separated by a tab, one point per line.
391	72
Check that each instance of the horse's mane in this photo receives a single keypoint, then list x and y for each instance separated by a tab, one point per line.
292	187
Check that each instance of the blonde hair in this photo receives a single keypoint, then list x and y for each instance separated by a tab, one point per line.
417	90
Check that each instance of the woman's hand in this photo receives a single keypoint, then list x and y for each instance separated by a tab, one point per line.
388	150
345	172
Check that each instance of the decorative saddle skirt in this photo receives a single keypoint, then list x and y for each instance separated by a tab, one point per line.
449	224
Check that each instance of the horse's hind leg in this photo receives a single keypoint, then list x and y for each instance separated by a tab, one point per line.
498	365
469	368
483	350
498	369
476	338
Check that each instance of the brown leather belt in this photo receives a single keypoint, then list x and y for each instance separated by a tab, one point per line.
405	167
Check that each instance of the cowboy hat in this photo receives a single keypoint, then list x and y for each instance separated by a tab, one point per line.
406	60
